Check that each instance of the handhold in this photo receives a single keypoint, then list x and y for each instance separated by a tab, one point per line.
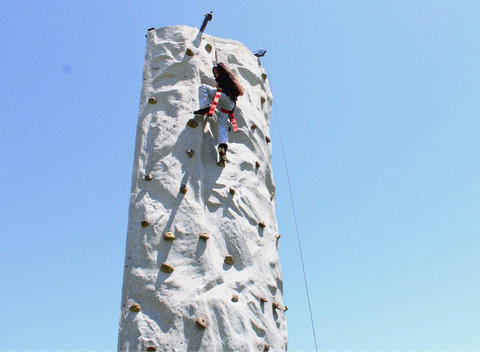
184	189
262	224
257	164
229	260
253	127
135	308
152	100
235	298
190	153
264	75
232	191
151	349
276	305
267	347
263	299
192	123
167	269
204	236
285	308
189	52
201	322
148	177
277	236
262	100
267	139
145	223
208	47
169	236
272	195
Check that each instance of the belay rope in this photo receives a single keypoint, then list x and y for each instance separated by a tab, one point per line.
296	222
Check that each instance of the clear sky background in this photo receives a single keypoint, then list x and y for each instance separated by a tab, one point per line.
379	106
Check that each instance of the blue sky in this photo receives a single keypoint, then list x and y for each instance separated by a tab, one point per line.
378	104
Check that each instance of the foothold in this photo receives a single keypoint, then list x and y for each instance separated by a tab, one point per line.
267	139
148	177
152	100
145	223
262	224
208	48
263	299
262	100
278	236
135	308
189	52
257	164
232	191
192	123
167	269
276	305
184	189
190	153
235	298
229	260
169	236
253	127
285	308
201	322
151	349
204	236
264	75
267	347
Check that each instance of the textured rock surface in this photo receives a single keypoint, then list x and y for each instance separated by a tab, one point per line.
202	284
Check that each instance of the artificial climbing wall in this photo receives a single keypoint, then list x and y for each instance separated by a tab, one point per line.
202	271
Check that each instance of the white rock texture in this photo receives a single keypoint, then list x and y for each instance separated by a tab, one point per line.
202	284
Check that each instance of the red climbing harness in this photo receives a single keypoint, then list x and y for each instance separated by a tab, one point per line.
215	100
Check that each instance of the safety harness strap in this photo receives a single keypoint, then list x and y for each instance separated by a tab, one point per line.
216	98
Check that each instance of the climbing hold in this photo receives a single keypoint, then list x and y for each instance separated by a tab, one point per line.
190	153
204	236
184	189
151	349
169	236
192	123
262	100
189	52
267	347
152	100
208	48
201	322
263	299
229	260
264	75
285	308
267	139
257	164
232	191
145	223
276	305
148	177
135	308
262	224
167	269
253	127
272	195
235	298
277	236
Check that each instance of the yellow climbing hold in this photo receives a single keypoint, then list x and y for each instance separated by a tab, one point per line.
229	260
285	308
192	123
135	308
190	153
267	139
257	164
264	75
145	223
277	236
189	52
262	224
152	100
235	298
169	236
201	322
208	47
184	189
148	177
232	191
204	236
267	347
253	127
166	268
276	305
262	100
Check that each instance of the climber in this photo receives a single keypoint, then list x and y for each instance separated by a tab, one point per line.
225	96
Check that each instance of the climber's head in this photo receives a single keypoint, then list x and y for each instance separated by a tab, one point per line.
227	80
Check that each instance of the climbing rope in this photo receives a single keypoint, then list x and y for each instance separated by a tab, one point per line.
294	216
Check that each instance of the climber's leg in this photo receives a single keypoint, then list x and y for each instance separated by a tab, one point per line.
205	96
222	128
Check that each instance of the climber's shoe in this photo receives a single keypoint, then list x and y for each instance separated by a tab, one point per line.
222	154
202	111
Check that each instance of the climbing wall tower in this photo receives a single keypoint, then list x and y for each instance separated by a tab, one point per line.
202	271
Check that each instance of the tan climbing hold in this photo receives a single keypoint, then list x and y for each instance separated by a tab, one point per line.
262	224
145	223
235	298
152	100
204	236
257	164
190	153
263	299
184	189
272	195
151	349
208	47
267	139
232	191
229	260
276	305
277	236
201	322
264	75
253	127
262	100
135	308
285	308
192	123
169	236
267	347
167	269
148	177
189	52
